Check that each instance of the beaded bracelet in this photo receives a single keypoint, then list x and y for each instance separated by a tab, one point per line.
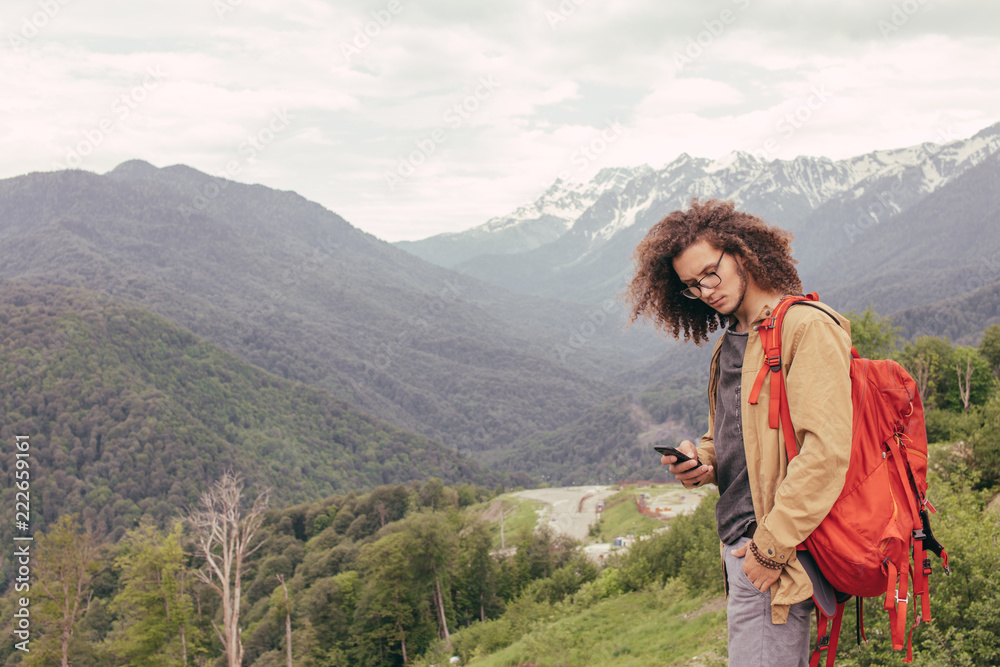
763	560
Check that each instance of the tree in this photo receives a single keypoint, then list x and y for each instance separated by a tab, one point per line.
389	609
964	380
288	620
476	574
432	552
536	557
328	607
971	382
873	335
985	443
989	348
926	358
66	562
153	603
224	532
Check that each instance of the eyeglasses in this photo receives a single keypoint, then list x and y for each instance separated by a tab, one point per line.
710	281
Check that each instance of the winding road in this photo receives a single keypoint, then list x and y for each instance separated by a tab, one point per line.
564	512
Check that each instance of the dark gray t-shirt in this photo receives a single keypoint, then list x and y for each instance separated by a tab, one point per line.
734	511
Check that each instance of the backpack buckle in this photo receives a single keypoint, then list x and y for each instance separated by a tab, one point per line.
823	643
774	363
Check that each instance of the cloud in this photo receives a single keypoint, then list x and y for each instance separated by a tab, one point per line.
369	81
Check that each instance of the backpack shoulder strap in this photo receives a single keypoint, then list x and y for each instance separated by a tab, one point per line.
770	338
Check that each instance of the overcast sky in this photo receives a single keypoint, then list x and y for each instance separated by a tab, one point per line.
415	117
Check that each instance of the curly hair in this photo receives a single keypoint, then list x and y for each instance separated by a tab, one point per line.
654	292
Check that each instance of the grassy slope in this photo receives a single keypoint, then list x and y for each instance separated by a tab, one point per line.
634	630
520	516
621	517
652	627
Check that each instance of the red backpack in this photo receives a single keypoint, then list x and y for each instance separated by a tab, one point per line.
863	545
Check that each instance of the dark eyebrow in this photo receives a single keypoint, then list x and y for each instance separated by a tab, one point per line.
708	268
699	276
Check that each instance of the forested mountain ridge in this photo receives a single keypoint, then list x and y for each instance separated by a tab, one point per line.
130	416
962	319
942	249
612	442
293	288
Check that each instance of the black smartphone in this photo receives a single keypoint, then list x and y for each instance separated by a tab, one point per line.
671	451
681	456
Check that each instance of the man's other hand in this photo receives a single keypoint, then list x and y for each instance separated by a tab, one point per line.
760	576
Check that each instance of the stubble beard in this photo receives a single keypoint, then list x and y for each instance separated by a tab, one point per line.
742	273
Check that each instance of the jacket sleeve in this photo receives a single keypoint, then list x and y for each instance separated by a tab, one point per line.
706	447
818	386
706	453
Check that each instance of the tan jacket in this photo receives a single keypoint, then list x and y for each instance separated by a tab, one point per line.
791	500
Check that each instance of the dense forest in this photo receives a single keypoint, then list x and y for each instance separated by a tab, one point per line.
130	417
611	442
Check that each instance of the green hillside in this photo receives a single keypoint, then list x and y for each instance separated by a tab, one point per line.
293	288
130	415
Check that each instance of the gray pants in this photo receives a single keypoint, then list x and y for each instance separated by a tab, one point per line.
753	640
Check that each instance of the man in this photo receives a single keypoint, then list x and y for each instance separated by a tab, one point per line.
713	265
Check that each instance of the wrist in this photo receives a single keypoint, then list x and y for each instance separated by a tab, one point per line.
763	560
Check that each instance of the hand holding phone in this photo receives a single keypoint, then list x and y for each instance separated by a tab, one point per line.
673	451
680	457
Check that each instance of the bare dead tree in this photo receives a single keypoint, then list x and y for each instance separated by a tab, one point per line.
225	532
288	618
922	374
965	384
383	513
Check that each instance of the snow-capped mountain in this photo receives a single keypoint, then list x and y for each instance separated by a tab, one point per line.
576	240
528	226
